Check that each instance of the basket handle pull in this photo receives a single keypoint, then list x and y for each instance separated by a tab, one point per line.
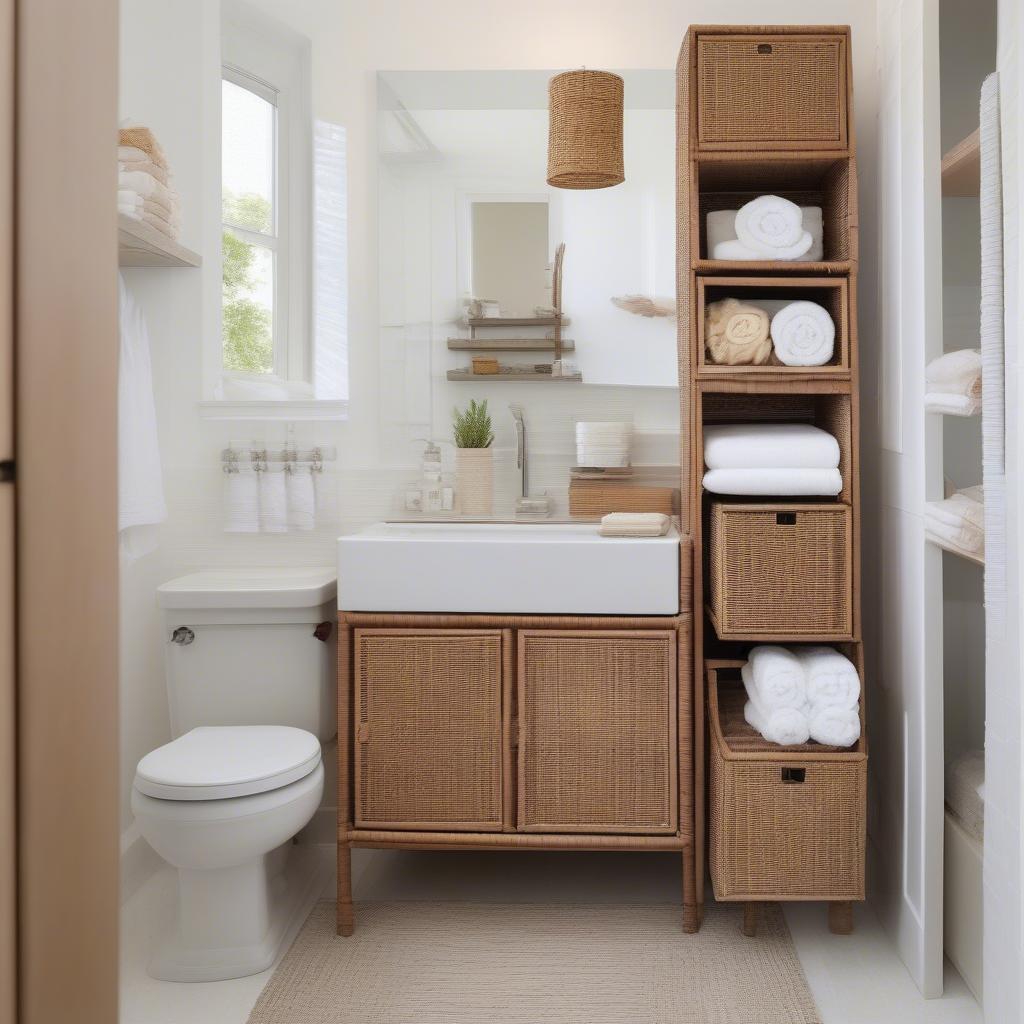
764	47
793	776
785	519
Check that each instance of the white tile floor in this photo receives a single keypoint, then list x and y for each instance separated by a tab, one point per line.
856	979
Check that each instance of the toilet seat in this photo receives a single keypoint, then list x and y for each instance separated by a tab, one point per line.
225	761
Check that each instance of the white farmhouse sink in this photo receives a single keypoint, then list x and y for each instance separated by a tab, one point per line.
522	568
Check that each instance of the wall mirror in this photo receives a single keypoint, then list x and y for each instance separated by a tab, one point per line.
465	213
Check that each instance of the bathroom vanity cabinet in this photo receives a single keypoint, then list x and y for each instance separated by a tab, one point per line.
515	732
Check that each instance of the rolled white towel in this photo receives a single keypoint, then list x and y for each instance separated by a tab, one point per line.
797	482
786	726
721	229
241	502
301	499
776	678
835	727
769	445
773	227
803	334
273	501
832	679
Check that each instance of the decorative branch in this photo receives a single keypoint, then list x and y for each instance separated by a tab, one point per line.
644	305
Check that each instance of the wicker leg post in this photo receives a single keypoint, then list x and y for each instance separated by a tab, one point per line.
840	917
751	912
346	919
691	918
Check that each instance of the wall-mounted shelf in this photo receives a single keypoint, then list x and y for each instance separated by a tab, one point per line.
512	321
507	345
139	245
966	556
961	167
513	378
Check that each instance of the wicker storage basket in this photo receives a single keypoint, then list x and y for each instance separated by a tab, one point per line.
771	91
781	571
786	823
591	499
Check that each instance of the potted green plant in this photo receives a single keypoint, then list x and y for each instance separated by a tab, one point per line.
474	462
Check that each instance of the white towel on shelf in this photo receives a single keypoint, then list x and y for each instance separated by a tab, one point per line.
301	498
803	334
832	679
776	677
953	383
958	521
786	726
721	232
241	502
273	501
141	503
835	727
769	446
773	227
798	482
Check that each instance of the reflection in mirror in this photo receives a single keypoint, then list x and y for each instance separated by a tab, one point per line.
509	255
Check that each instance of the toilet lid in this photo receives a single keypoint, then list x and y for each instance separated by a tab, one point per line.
222	761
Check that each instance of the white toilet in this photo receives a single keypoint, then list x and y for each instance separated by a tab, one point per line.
251	684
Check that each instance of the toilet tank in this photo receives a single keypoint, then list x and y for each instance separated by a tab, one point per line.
252	647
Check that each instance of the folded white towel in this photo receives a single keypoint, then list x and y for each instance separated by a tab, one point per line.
958	521
147	186
786	726
769	446
721	229
954	383
773	227
273	501
241	502
301	499
775	482
835	727
832	679
634	524
775	678
803	334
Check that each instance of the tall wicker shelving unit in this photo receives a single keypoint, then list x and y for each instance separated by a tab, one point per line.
768	109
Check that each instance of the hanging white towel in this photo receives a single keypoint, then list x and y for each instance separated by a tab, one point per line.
241	502
273	501
301	499
141	503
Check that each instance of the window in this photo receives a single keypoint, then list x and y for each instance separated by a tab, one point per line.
255	297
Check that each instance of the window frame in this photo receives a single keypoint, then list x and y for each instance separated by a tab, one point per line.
275	66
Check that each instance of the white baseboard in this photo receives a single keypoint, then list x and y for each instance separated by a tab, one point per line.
139	862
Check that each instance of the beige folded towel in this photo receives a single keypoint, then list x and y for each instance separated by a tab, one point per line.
144	139
146	166
634	524
736	333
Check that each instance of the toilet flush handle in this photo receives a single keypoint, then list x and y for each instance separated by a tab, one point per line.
182	636
323	632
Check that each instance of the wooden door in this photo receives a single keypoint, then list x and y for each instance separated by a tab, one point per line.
430	706
597	731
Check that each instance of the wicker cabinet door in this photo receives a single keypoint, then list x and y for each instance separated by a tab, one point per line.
428	729
597	731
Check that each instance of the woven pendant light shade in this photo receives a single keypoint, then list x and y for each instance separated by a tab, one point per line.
585	133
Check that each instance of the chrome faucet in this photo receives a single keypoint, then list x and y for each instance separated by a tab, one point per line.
525	505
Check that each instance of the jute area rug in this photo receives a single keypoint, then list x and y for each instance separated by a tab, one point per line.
476	963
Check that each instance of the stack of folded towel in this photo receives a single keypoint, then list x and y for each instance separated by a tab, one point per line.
144	189
953	383
739	333
958	522
766	228
771	459
800	694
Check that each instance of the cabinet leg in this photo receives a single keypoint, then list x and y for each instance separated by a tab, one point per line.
691	917
346	919
751	912
840	918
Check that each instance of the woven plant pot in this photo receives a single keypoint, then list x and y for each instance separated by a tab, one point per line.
585	133
474	481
